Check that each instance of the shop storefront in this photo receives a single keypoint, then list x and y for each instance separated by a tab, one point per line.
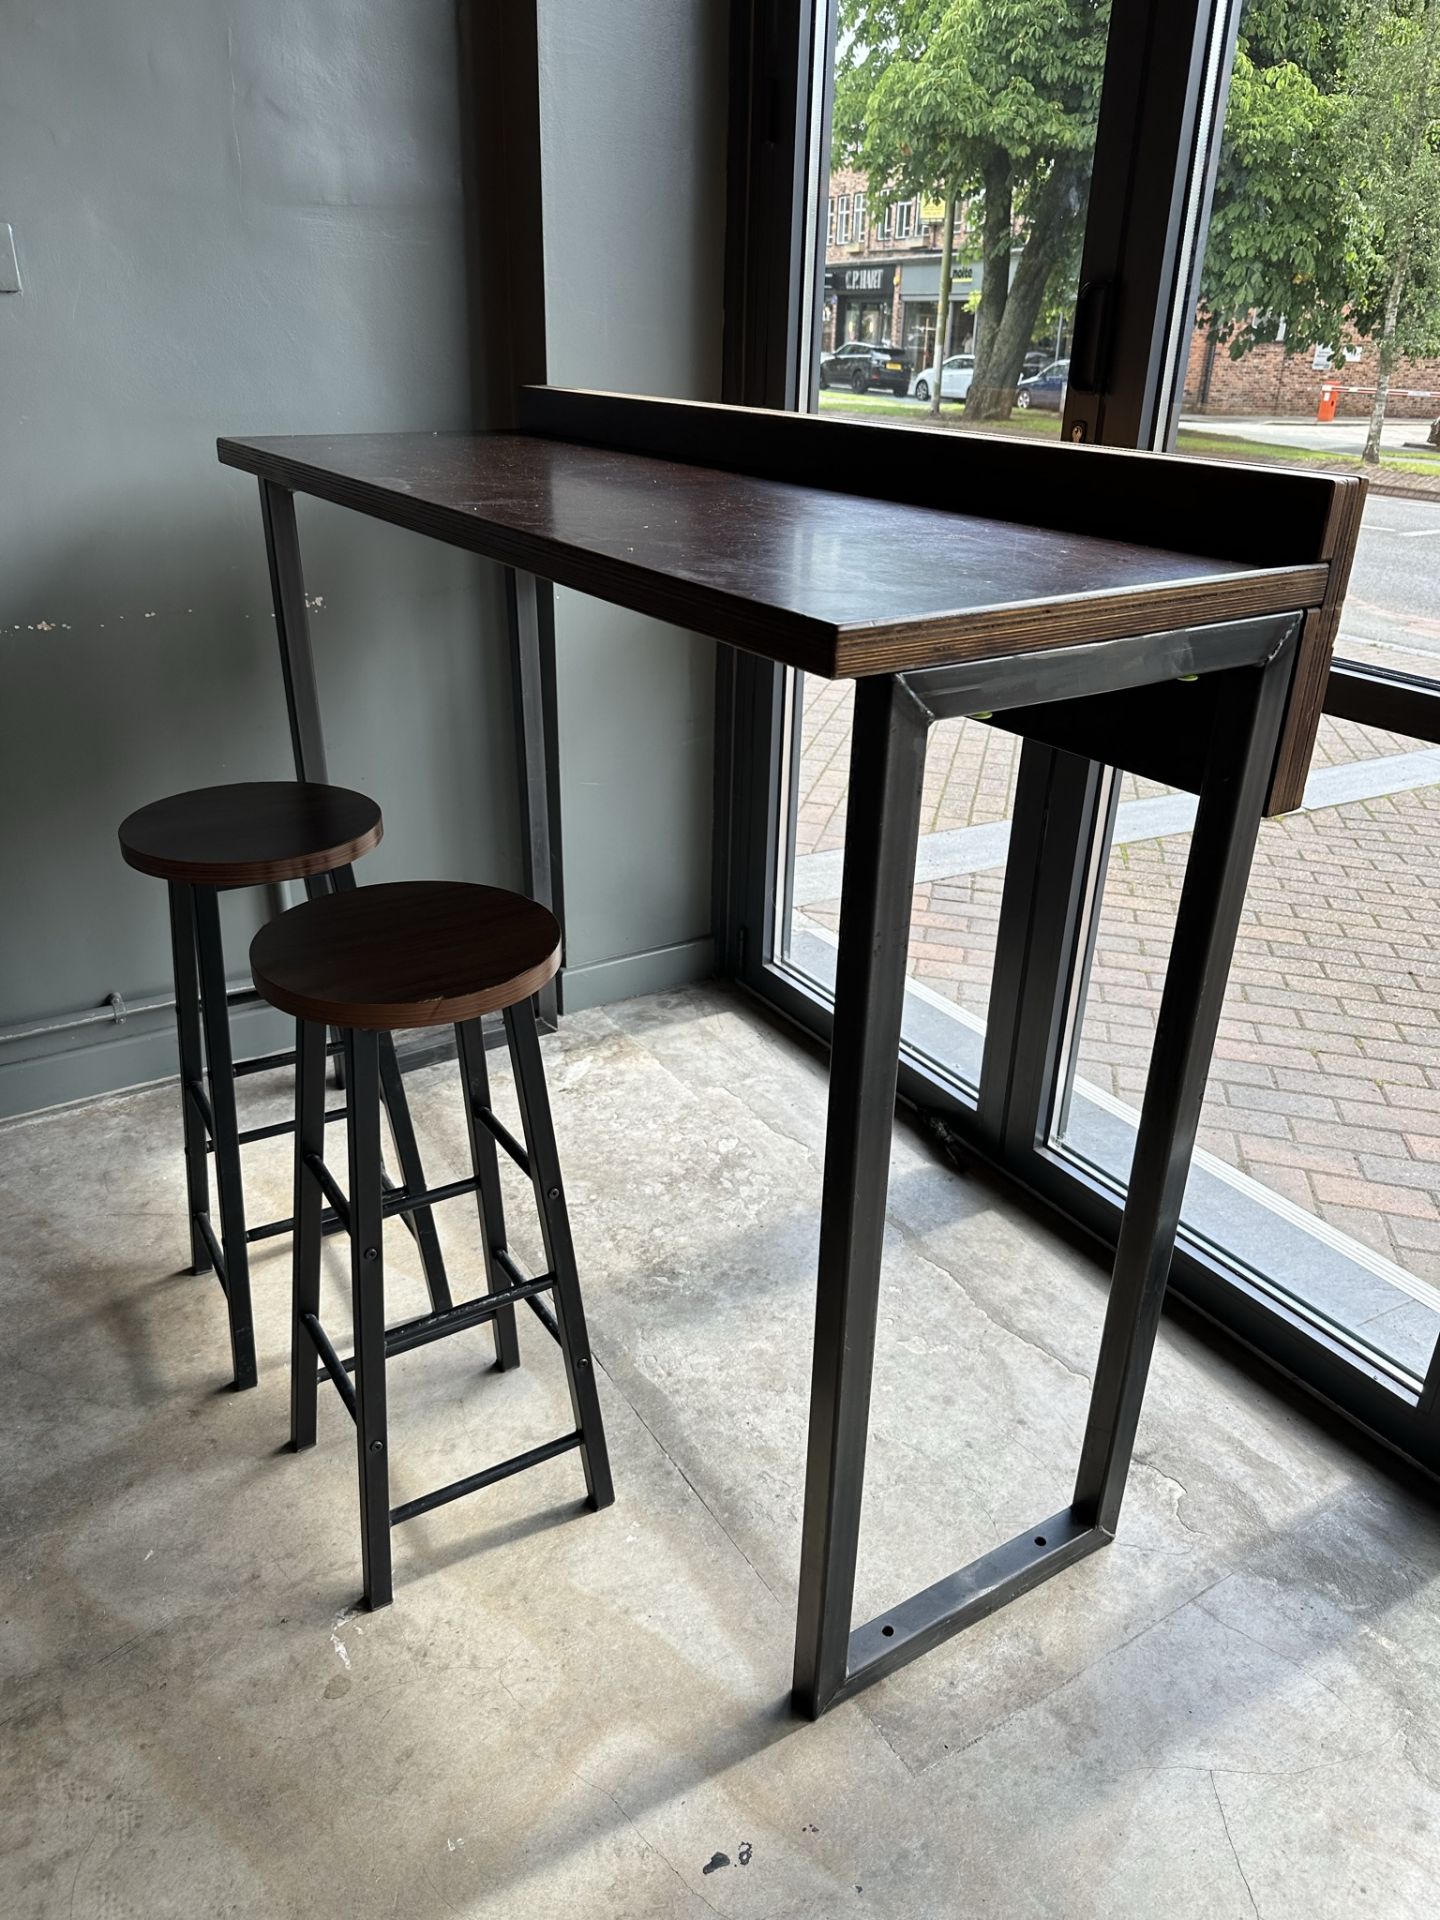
919	302
861	301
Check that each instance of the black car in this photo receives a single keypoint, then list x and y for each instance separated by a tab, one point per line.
863	364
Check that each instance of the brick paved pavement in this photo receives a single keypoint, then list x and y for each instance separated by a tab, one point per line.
1326	1085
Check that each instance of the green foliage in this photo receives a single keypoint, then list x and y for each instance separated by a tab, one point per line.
928	90
954	97
1326	221
1328	192
1280	232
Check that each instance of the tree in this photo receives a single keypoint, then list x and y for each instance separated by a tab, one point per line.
1326	222
1391	131
995	98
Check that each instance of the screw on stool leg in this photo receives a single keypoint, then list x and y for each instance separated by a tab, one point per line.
524	1038
192	1067
485	1160
310	1059
215	1017
367	1287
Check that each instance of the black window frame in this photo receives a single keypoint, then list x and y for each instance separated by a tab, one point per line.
1163	103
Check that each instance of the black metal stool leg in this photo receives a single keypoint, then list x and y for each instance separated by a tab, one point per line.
524	1038
310	1061
421	1222
367	1286
192	1069
485	1160
220	1071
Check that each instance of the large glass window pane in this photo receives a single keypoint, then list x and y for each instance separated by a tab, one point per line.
966	133
1319	1147
969	793
963	141
1319	1161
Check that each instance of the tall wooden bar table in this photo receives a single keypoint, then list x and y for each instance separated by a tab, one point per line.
1171	616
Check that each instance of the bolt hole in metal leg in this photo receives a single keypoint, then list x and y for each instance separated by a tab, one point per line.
1039	1539
888	1632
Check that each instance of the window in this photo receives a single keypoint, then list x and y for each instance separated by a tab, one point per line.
1317	1174
1311	1223
830	223
860	229
842	221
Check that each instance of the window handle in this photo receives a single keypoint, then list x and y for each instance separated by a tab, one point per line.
1090	345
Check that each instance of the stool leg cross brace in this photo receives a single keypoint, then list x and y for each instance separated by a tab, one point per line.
362	1211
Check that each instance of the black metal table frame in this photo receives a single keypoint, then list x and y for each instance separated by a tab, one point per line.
1254	661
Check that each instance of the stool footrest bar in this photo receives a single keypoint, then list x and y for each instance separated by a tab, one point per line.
331	1188
217	1252
472	1483
280	1126
272	1229
505	1138
395	1199
200	1100
402	1200
332	1362
468	1313
409	1334
504	1259
267	1062
546	1318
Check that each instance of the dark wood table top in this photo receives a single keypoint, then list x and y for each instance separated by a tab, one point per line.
832	581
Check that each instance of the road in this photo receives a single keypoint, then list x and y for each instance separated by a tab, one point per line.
1394	598
1328	436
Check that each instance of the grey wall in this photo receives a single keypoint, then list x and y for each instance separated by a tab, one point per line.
230	219
633	142
247	218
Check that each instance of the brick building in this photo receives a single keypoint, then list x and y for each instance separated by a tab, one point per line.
1276	378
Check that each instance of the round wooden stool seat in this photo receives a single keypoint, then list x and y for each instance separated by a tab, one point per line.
411	953
251	833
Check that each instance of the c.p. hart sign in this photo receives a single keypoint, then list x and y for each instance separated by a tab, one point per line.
861	283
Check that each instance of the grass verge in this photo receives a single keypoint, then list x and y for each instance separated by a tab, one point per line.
1046	426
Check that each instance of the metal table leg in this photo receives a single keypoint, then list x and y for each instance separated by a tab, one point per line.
887	763
234	1260
532	677
192	1068
1242	751
367	1296
292	630
887	771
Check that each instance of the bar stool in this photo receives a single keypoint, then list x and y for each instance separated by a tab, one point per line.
422	954
202	843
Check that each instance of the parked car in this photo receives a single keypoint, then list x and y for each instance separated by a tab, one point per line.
1046	388
1035	361
863	364
955	377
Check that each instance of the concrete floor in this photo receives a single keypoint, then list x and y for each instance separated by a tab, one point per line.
1234	1710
